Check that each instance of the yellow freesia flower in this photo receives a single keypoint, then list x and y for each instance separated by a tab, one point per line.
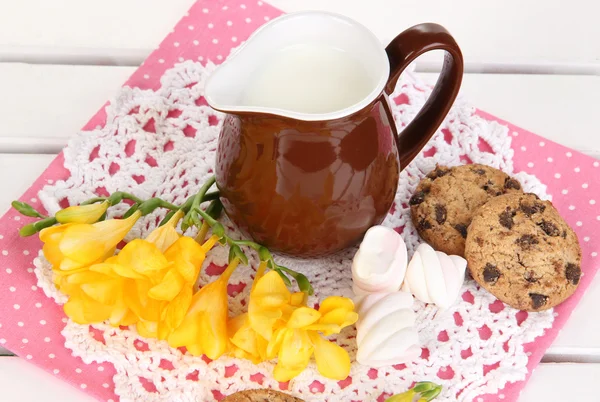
204	327
301	333
279	324
164	236
78	245
163	282
82	213
141	285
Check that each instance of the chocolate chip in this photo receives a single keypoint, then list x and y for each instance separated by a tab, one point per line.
417	198
564	234
538	300
549	228
530	209
512	184
424	224
480	171
526	241
573	273
491	273
530	277
440	214
489	187
506	218
462	229
439	171
479	241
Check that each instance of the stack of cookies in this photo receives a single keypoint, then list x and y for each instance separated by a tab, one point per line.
517	246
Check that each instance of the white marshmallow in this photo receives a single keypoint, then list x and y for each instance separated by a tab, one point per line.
380	263
434	277
386	333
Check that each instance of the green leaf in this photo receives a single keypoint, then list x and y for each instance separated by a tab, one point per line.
26	209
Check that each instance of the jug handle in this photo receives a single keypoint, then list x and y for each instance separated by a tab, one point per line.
402	51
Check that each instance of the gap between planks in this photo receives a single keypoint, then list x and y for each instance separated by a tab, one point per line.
134	57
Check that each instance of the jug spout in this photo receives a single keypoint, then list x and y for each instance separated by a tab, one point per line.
307	66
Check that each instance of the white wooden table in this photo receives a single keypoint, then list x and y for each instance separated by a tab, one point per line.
534	63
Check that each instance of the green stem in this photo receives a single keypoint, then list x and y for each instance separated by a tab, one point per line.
213	195
93	200
211	221
129	196
248	243
35	227
202	192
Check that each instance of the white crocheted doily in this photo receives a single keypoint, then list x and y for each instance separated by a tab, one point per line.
163	143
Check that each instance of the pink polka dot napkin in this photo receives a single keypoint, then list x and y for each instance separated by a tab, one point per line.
31	323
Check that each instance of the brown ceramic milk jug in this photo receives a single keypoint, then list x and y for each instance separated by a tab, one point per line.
309	156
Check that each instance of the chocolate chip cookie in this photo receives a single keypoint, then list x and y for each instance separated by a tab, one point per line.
522	251
446	198
261	395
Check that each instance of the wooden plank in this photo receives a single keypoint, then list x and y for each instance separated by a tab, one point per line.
493	37
549	382
21	381
17	172
554	382
43	105
117	32
509	37
562	108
